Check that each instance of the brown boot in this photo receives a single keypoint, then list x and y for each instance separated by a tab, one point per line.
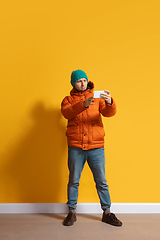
70	219
111	218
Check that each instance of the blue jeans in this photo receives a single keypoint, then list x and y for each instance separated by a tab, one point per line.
96	161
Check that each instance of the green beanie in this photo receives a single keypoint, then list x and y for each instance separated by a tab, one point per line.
76	75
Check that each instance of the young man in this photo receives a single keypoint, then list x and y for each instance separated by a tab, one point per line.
85	136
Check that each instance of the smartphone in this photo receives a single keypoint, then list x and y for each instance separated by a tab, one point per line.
97	94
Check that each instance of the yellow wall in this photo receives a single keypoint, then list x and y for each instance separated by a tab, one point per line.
117	43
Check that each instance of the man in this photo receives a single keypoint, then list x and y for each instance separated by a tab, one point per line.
85	137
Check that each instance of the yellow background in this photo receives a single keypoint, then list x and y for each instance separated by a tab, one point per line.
117	43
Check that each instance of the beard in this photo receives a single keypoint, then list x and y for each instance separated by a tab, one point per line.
83	90
80	90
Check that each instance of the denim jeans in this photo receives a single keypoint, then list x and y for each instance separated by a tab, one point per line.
96	161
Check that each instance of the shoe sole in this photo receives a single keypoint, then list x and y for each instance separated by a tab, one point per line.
116	225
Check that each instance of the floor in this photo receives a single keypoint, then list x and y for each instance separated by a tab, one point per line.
88	226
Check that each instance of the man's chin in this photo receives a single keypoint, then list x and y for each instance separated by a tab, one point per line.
83	90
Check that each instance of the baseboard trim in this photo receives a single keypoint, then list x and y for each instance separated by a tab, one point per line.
81	208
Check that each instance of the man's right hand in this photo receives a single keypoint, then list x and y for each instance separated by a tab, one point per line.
88	101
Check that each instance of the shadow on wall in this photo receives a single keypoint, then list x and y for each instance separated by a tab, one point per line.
34	170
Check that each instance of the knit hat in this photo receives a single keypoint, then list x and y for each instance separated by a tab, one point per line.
76	75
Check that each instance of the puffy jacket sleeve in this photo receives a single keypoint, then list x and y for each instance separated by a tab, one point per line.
71	110
106	109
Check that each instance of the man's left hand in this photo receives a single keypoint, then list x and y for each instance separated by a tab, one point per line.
106	96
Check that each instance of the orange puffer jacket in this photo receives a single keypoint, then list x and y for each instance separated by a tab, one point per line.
85	128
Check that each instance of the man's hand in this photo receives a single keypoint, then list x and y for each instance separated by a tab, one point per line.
106	96
88	101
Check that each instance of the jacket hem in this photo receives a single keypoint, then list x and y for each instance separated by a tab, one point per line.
86	147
